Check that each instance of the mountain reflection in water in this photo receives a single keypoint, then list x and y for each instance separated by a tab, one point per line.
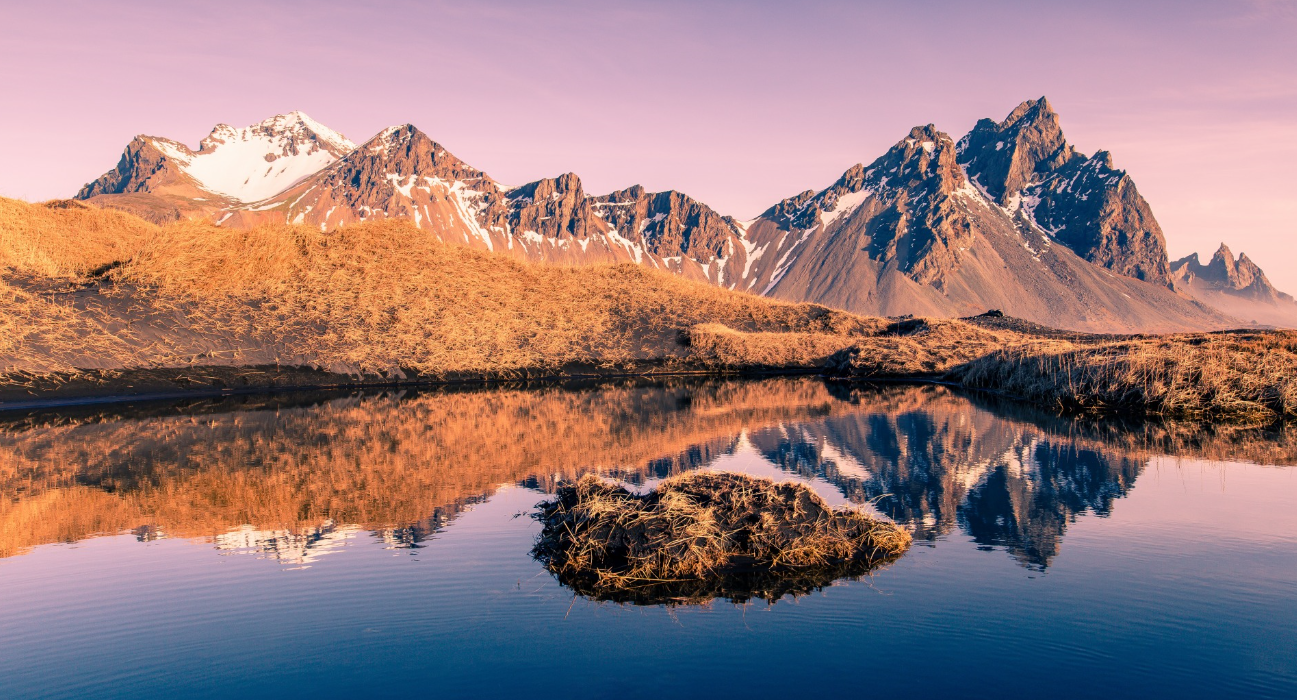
295	477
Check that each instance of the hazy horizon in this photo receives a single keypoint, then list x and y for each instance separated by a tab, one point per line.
737	104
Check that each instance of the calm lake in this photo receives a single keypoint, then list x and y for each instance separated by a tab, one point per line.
379	546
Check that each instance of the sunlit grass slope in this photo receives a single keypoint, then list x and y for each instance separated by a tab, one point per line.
89	289
375	298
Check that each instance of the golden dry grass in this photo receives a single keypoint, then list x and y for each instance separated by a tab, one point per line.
1233	377
703	535
384	299
924	347
65	238
720	346
378	298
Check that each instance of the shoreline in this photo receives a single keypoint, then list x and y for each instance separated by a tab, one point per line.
89	388
74	390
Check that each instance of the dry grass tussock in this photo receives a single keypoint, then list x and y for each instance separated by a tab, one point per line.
925	347
704	535
720	346
65	238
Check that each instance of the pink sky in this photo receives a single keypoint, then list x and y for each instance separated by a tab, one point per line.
739	104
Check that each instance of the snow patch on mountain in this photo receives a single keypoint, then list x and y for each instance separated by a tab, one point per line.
847	203
259	161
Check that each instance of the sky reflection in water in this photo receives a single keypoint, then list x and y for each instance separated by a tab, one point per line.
366	545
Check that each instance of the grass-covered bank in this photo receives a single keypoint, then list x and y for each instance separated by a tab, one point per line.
97	302
1233	376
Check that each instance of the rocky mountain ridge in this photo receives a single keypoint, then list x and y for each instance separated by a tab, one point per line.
1010	216
912	233
1237	286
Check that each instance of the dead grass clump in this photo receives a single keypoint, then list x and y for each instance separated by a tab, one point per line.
920	347
704	535
719	345
1239	377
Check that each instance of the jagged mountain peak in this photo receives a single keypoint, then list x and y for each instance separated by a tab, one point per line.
924	161
1105	158
1026	165
1223	253
397	133
1237	285
1223	270
403	151
628	194
1031	112
289	131
550	188
669	224
925	153
1003	157
1238	273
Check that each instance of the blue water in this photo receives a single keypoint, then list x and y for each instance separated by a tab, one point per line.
1045	565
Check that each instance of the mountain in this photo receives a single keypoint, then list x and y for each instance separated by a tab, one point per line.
1027	166
165	180
1008	217
402	173
1238	287
913	233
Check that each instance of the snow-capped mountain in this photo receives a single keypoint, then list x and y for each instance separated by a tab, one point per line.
1009	217
401	173
231	166
262	160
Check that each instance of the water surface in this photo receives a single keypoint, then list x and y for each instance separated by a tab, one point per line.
378	546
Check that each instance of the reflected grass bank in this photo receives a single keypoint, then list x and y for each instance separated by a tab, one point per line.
279	474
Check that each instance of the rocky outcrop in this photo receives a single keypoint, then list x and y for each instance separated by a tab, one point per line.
923	227
142	168
1024	162
667	224
1004	157
553	208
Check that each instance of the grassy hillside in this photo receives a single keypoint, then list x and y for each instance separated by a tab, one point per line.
378	298
88	289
